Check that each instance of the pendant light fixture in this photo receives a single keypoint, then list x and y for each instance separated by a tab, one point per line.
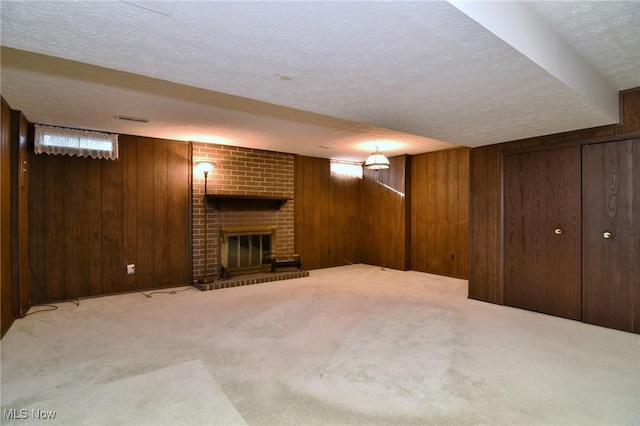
376	161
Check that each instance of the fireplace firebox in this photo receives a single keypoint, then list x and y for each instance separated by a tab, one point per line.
247	249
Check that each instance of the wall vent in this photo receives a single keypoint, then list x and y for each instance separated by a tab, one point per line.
129	118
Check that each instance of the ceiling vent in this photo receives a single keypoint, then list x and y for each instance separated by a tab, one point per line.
129	118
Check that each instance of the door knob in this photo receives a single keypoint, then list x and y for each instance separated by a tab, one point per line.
558	231
606	235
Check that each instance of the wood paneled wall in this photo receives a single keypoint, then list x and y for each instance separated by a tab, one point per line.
440	212
326	215
412	216
89	218
19	213
6	289
485	282
385	231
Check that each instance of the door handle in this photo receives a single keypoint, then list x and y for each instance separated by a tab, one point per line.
606	235
558	231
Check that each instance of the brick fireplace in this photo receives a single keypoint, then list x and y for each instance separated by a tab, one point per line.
241	172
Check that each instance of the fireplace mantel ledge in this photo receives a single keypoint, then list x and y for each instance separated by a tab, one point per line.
228	202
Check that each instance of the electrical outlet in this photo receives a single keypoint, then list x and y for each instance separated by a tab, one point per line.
131	269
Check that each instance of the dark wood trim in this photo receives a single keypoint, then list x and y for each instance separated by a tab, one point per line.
588	141
224	202
20	214
6	203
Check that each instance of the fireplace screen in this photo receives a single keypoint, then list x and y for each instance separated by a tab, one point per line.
247	249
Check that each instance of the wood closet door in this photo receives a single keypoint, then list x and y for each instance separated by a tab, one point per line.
541	257
611	235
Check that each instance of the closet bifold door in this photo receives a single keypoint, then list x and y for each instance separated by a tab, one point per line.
541	231
611	234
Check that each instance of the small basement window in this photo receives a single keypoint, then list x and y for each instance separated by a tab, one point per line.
81	143
346	168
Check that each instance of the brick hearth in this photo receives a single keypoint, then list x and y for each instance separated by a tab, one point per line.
252	279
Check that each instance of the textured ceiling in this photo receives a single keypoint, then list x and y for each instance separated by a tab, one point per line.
326	79
601	31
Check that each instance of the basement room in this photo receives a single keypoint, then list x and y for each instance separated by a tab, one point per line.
320	213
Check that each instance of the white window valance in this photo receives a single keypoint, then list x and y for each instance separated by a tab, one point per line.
82	143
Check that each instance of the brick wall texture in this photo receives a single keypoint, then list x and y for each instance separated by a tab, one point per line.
240	171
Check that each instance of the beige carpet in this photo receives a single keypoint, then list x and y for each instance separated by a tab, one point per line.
348	345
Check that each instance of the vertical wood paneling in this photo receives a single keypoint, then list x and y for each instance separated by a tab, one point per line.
145	252
327	227
461	264
321	216
485	225
439	212
179	206
76	225
112	227
55	200
6	294
630	112
494	216
344	223
315	252
408	211
369	221
387	226
383	228
160	211
455	187
94	228
439	246
478	224
338	234
419	213
398	201
89	218
636	225
128	155
431	209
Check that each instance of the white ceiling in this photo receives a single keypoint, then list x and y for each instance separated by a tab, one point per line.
324	79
